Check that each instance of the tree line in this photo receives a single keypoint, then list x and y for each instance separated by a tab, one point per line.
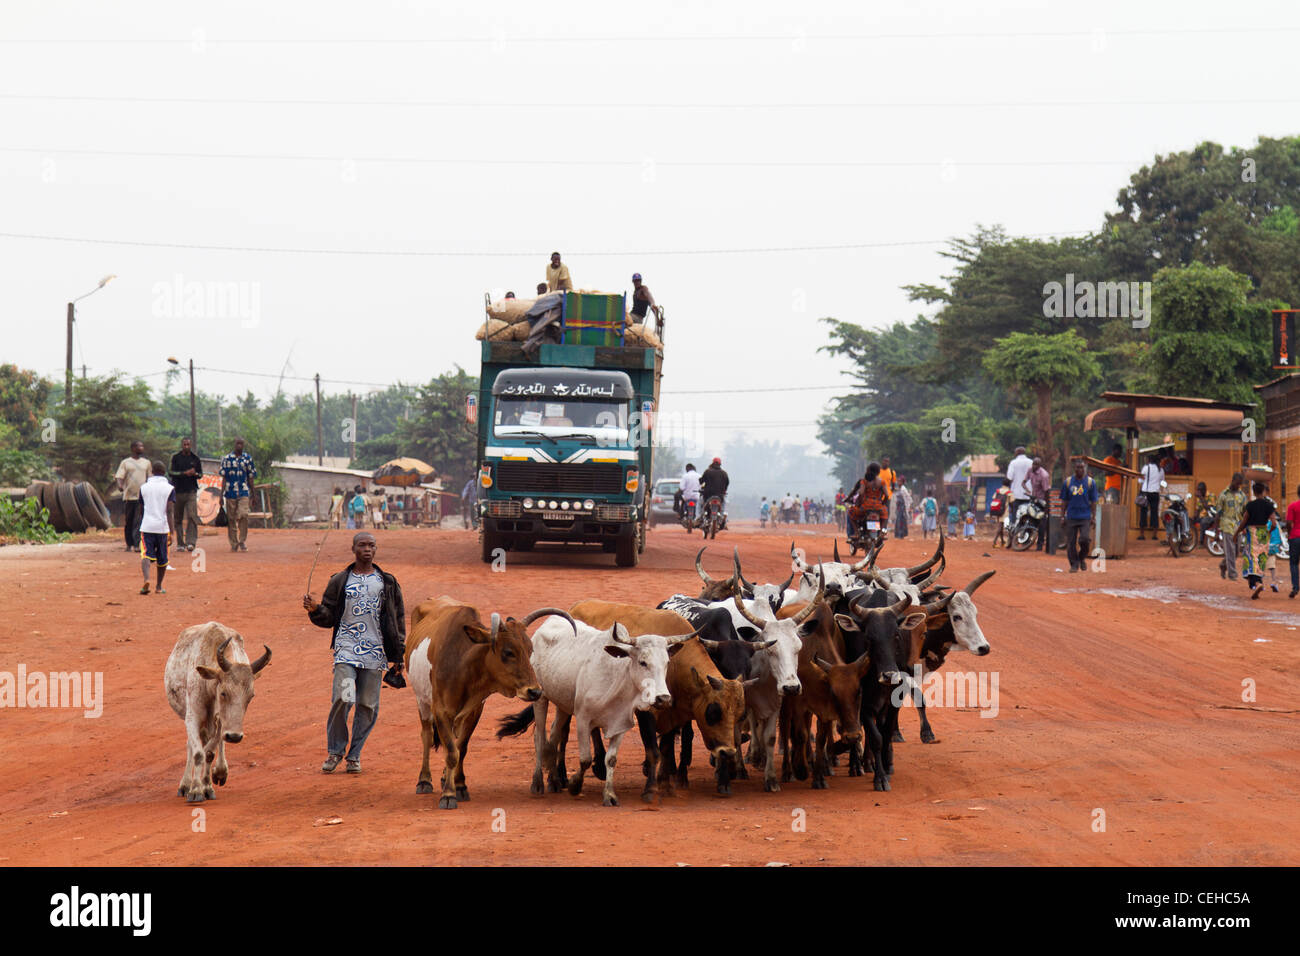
1026	333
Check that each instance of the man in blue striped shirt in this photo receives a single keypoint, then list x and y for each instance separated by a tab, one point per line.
237	474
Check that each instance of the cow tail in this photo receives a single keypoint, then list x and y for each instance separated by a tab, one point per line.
513	726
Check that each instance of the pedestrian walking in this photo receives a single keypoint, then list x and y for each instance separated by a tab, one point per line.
1232	503
186	471
237	474
952	518
969	530
131	474
157	524
929	513
1293	542
1255	522
363	608
357	509
902	509
1079	492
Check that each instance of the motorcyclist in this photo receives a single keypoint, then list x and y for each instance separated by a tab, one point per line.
868	499
690	491
713	483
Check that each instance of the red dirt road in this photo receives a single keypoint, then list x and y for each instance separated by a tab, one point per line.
1114	704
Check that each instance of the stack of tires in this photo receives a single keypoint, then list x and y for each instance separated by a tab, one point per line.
73	505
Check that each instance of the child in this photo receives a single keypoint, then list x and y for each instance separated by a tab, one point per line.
970	526
929	513
952	517
764	510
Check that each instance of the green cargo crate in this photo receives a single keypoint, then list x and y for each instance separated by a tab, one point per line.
593	318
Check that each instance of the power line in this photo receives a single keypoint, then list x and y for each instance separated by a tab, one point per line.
613	163
834	247
679	106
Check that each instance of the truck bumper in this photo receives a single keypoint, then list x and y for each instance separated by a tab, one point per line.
580	530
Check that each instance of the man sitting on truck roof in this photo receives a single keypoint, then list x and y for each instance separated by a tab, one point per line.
557	275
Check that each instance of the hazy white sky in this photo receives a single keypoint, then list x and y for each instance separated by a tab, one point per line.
474	138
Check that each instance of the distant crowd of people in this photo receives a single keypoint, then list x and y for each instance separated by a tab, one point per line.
790	509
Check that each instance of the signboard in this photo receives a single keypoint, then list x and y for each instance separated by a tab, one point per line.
1284	343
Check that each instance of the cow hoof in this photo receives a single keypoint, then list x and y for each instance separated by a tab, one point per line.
447	803
683	783
194	796
647	796
536	786
880	783
898	737
462	794
575	789
801	773
209	793
180	791
553	786
771	786
819	785
724	790
611	800
219	776
855	771
741	772
424	786
927	737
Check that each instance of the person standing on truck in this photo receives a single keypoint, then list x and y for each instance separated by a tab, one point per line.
713	482
642	300
557	275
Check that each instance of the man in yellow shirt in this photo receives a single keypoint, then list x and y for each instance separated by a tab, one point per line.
557	275
888	478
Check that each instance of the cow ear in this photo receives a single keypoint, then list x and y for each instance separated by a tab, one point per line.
674	648
912	620
477	634
808	627
613	650
208	673
846	622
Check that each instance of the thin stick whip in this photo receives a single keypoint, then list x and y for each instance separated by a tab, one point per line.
317	558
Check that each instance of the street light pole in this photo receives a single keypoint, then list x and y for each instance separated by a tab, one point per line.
194	425
67	394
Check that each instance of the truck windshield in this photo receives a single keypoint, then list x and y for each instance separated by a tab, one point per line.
599	418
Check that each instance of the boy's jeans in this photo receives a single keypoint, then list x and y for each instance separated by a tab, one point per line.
359	685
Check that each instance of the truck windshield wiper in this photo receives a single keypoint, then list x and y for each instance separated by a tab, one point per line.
524	434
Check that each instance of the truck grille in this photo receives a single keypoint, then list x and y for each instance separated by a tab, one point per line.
532	477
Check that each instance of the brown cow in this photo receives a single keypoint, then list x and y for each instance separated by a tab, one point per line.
699	693
832	692
454	663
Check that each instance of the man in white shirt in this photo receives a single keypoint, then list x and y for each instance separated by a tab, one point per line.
130	475
156	524
1149	504
690	489
1017	472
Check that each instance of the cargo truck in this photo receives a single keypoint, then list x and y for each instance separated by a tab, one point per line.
565	436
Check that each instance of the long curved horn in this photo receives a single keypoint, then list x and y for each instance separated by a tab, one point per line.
679	638
799	562
933	575
735	555
699	568
869	559
263	660
934	558
870	575
835	550
935	607
970	588
543	611
614	633
221	655
745	613
902	605
875	553
788	581
812	605
496	628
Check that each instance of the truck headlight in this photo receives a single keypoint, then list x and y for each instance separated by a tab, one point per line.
528	502
589	505
564	506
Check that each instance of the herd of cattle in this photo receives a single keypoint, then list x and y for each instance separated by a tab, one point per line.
838	641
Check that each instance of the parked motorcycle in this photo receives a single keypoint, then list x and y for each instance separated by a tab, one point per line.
1025	531
1212	538
1179	533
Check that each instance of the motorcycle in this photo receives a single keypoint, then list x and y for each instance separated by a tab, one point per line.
1212	538
713	519
688	515
1178	526
1025	531
866	535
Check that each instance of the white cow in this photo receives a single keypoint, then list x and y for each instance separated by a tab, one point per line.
777	668
209	684
841	576
600	678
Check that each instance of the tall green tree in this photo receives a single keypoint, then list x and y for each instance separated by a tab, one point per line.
1036	367
24	396
437	432
95	430
1207	339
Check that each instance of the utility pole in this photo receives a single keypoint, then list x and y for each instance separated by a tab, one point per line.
83	373
320	441
354	425
194	422
221	435
67	387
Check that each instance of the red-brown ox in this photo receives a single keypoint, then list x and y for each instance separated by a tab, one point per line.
699	693
454	663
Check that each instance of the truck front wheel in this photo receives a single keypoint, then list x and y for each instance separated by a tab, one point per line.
626	554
